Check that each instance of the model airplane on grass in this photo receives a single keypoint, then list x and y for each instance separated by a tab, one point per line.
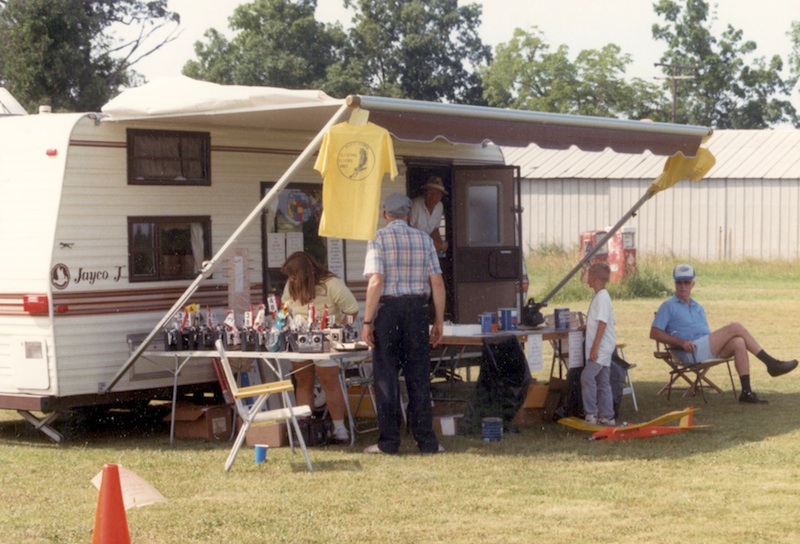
654	427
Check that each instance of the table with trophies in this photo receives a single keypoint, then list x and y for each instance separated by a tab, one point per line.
272	346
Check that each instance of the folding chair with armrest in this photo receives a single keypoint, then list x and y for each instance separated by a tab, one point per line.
695	375
254	412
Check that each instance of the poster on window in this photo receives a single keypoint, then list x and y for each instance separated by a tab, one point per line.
276	249
336	256
294	243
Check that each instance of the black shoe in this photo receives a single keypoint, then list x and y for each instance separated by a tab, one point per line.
779	368
751	398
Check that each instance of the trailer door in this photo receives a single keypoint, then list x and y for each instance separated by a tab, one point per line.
487	261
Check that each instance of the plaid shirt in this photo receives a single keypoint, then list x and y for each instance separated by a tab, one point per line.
406	258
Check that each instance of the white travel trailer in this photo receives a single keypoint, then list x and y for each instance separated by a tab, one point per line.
107	218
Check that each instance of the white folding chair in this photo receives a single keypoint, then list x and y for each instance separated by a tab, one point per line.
627	388
254	413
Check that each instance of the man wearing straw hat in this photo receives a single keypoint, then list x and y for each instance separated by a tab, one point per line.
427	210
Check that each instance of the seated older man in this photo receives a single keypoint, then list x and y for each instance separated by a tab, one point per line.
681	322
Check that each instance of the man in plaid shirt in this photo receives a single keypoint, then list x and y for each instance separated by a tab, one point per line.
404	274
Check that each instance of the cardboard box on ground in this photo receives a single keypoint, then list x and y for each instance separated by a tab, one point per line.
541	401
447	425
365	410
213	422
273	435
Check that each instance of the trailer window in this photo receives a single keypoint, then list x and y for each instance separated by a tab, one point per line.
483	227
157	157
167	248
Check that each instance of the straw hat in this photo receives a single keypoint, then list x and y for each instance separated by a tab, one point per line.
435	183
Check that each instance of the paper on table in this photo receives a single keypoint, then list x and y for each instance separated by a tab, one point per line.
575	349
534	352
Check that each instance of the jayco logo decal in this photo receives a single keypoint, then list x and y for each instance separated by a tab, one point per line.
60	276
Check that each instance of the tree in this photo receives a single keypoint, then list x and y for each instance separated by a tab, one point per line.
424	50
278	43
725	91
794	56
526	74
65	54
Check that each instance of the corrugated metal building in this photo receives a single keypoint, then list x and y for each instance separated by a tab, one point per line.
747	206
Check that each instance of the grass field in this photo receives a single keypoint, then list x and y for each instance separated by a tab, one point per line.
736	481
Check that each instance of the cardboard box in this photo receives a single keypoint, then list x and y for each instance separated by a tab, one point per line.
273	435
545	397
366	410
447	425
207	422
536	396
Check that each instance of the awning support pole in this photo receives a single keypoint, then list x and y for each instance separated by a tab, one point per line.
647	196
209	266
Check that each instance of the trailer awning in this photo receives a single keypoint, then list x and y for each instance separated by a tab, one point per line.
187	101
426	121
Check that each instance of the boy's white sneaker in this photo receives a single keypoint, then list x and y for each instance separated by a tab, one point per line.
591	419
611	422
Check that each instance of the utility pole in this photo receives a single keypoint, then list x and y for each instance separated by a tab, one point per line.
676	75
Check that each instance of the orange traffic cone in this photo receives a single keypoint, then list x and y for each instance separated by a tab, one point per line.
110	522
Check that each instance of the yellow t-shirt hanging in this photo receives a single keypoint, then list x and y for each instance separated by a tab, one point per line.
352	161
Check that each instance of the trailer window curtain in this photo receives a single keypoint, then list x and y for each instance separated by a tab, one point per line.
159	157
167	248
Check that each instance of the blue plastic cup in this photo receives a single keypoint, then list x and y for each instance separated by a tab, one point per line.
261	453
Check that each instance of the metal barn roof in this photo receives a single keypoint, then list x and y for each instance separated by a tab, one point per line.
740	154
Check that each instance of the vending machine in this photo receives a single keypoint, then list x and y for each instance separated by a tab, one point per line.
621	255
588	241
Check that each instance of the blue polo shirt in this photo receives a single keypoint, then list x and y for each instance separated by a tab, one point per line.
686	321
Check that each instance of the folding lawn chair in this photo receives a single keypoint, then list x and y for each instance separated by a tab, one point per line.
254	413
695	375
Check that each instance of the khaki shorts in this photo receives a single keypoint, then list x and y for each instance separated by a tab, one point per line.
702	352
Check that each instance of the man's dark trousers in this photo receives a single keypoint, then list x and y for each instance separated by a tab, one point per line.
401	344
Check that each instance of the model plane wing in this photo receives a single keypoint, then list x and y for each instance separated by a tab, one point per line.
654	427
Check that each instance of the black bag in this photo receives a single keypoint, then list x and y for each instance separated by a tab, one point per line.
501	386
571	401
314	430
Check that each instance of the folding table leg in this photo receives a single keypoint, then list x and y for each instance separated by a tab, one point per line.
345	394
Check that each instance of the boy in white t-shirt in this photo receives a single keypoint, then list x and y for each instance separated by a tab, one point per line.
601	341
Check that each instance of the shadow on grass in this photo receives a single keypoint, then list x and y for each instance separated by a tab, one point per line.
342	465
730	424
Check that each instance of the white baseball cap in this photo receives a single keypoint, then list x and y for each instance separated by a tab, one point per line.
683	272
